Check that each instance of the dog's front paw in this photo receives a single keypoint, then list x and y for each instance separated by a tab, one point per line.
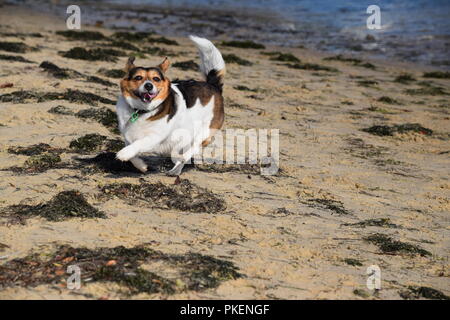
139	164
126	153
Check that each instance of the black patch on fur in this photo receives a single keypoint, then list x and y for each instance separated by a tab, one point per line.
133	71
170	99
215	80
193	90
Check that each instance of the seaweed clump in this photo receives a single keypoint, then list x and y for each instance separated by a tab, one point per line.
353	262
59	73
285	57
279	213
427	90
328	204
367	83
388	100
102	115
133	36
63	206
186	65
64	73
157	51
60	109
416	292
88	143
164	40
243	44
122	45
361	293
33	150
244	88
21	34
97	54
184	196
341	58
123	266
81	35
405	78
381	222
41	158
14	58
41	162
114	145
380	110
311	66
232	58
364	150
70	95
353	61
78	96
98	80
437	75
18	47
144	36
383	130
95	142
390	246
112	73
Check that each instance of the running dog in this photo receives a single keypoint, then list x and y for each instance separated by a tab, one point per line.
166	117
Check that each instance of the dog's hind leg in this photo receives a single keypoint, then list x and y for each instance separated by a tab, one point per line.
176	170
139	164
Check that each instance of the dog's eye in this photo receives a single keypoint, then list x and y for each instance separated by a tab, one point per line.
156	79
137	78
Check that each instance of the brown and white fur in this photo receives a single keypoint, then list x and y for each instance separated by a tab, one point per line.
175	118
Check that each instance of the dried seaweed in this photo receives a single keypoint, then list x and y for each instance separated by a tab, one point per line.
384	130
391	246
247	44
120	265
70	95
184	196
65	205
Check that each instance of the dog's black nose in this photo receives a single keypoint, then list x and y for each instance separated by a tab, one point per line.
148	86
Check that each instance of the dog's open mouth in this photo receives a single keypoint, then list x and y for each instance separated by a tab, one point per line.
147	96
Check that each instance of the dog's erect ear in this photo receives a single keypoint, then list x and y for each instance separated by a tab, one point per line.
164	65
130	64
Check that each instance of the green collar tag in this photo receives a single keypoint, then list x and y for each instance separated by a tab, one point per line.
134	117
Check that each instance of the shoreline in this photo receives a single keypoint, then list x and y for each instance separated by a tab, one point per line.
219	23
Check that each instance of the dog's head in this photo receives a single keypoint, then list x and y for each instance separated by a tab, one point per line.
145	88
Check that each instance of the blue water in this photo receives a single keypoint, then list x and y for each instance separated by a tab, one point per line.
412	30
415	17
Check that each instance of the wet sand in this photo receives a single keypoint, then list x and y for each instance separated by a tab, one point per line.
345	198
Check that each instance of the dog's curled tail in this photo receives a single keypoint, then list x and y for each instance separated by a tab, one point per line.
212	64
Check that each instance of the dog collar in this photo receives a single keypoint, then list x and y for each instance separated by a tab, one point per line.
135	115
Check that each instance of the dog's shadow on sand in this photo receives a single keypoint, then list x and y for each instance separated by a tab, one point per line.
106	162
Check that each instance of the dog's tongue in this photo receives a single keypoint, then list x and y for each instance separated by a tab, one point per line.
147	96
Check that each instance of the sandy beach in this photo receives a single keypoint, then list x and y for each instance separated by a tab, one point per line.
363	179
